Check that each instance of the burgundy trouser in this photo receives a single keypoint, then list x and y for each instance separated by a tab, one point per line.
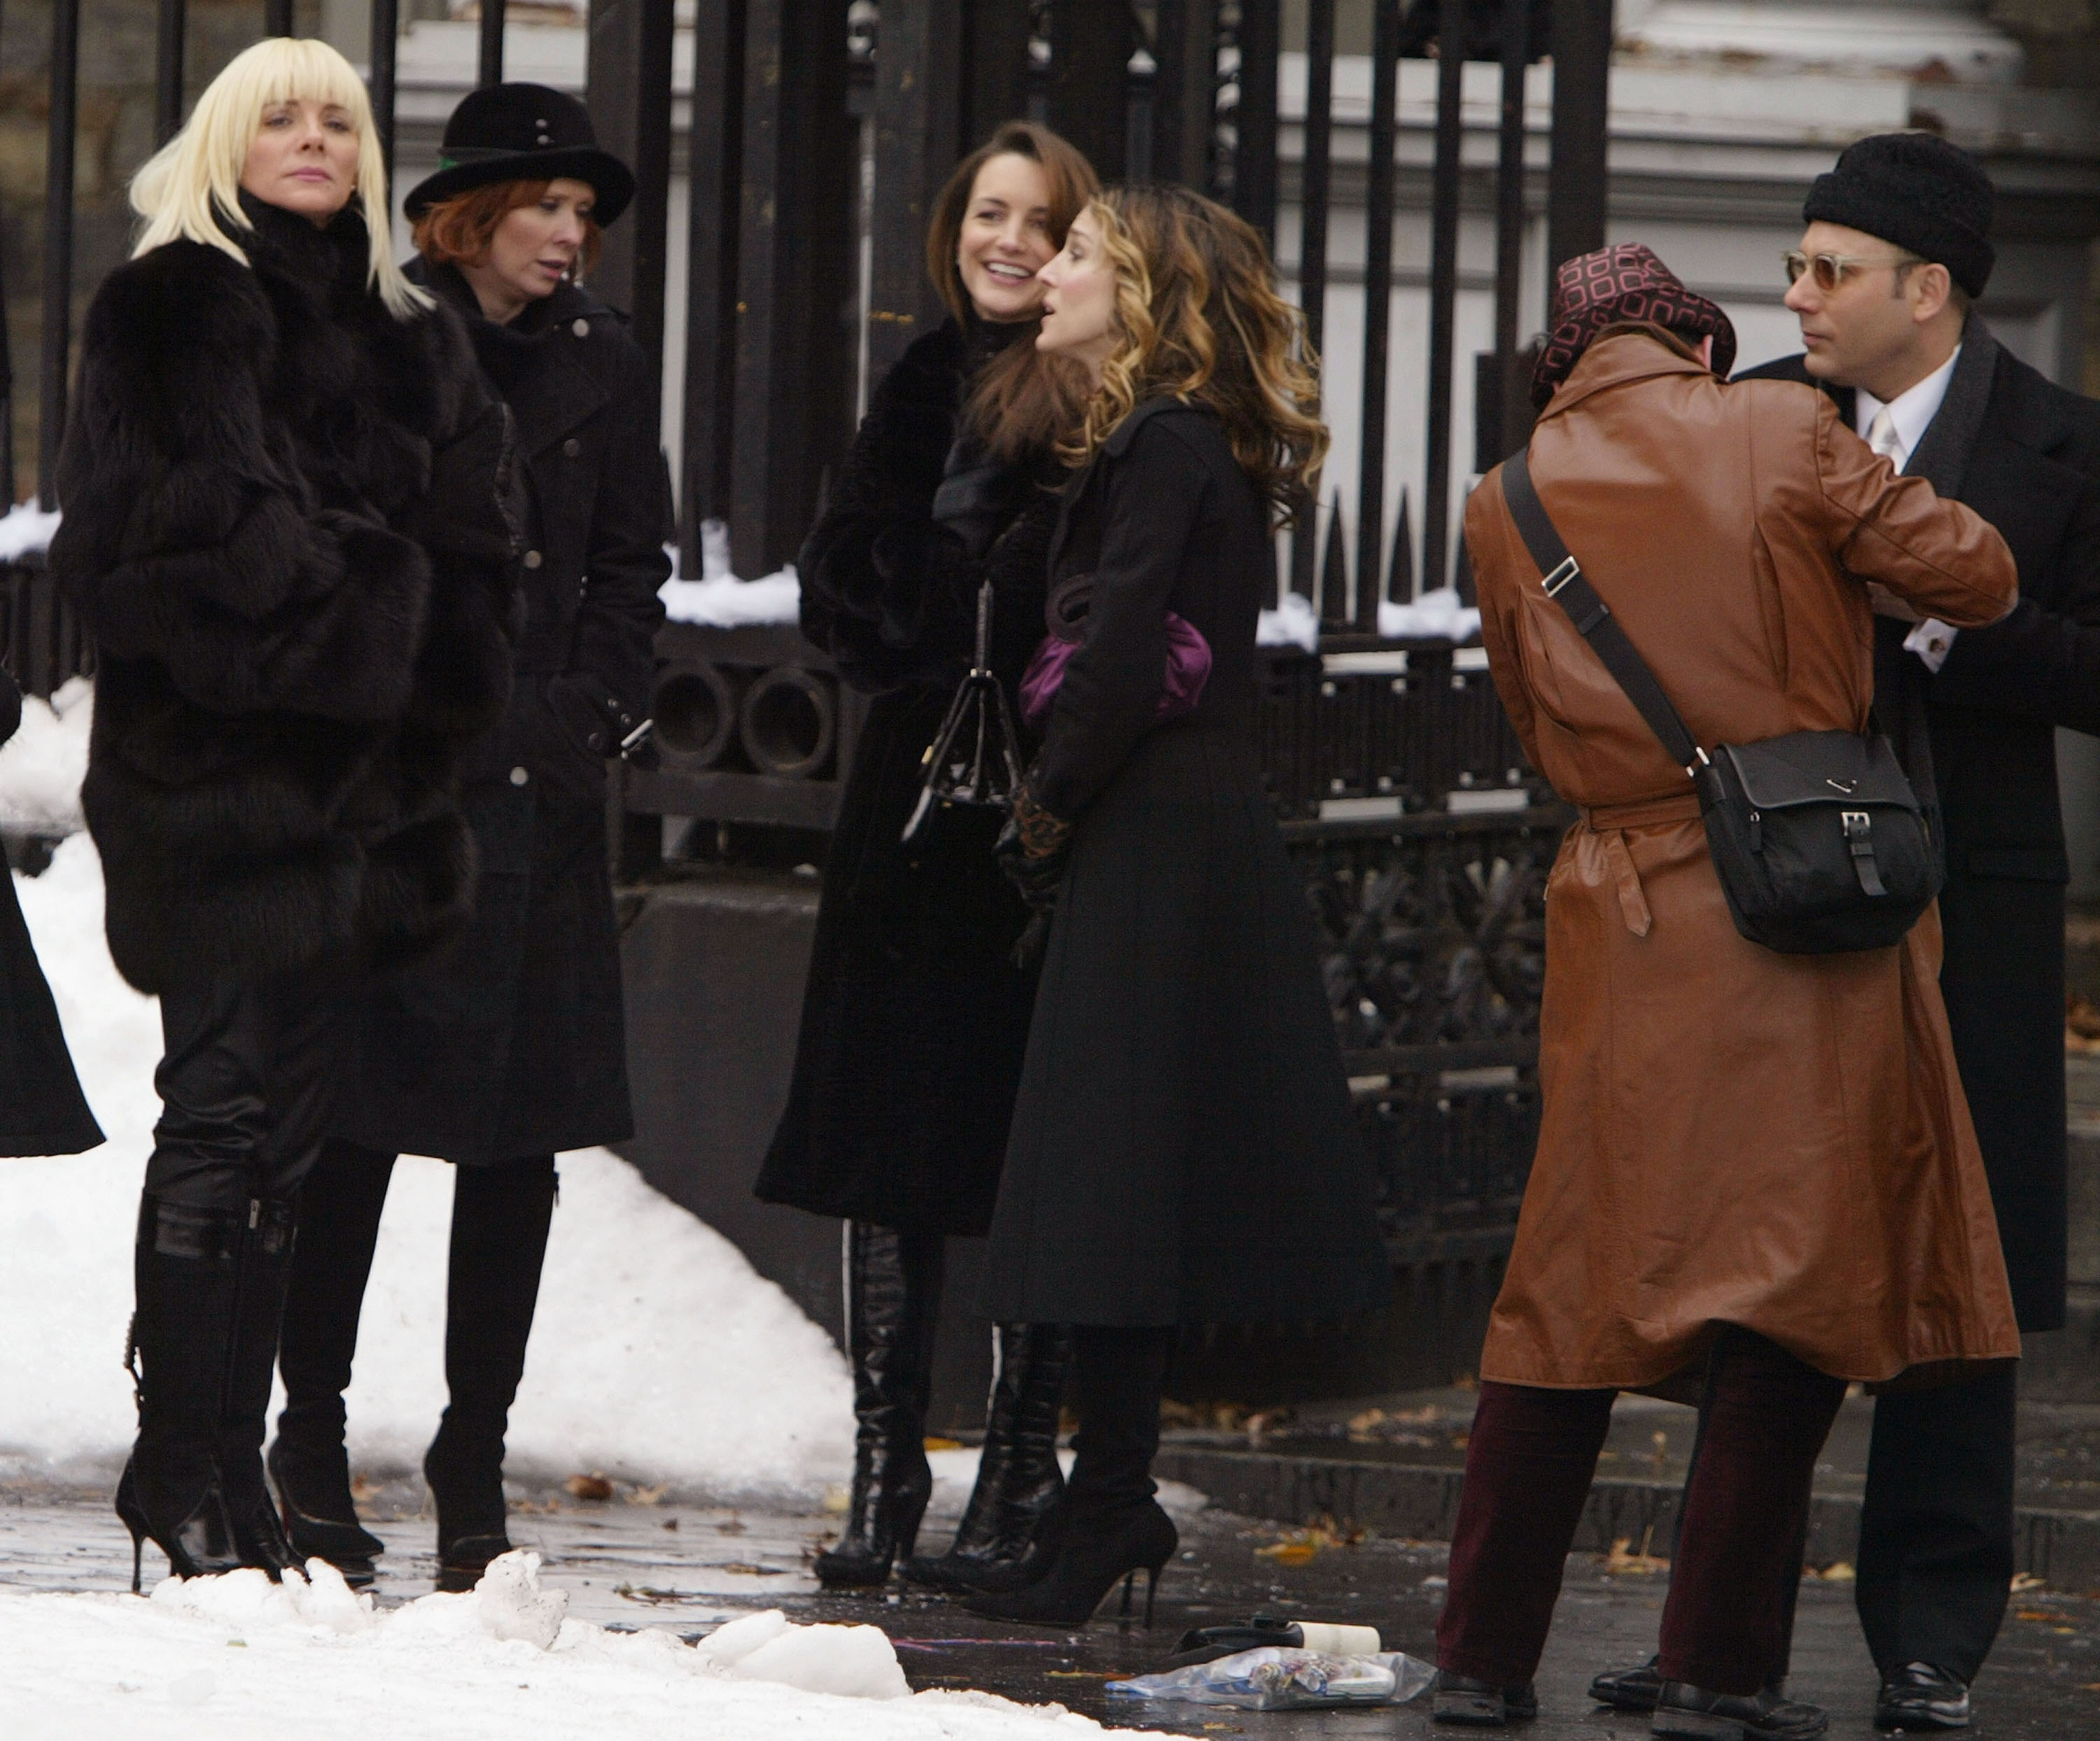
1529	1467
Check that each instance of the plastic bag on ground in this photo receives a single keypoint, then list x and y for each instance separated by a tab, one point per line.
1273	1678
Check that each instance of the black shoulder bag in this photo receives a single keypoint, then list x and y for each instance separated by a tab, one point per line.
1819	843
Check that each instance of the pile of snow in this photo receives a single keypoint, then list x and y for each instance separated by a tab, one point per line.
1436	615
659	1354
25	528
42	764
719	600
1293	623
243	1659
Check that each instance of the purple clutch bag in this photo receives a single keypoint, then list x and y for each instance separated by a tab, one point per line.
1188	655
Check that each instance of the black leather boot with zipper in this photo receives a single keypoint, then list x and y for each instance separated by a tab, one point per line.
1011	1529
892	1303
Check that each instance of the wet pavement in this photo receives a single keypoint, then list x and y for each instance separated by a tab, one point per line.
637	1560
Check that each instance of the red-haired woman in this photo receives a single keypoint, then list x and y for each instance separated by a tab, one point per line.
510	1048
916	1013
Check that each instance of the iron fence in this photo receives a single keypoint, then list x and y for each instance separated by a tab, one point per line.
1422	838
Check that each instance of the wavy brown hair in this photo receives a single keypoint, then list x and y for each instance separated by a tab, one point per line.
459	230
1023	403
1197	303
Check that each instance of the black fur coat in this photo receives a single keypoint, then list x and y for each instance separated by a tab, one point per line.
284	527
915	1015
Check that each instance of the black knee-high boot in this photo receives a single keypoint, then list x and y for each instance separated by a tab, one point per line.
893	1303
1010	1530
500	1216
185	1266
339	1211
1114	1527
251	1358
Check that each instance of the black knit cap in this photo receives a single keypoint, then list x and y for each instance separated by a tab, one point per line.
522	133
1915	190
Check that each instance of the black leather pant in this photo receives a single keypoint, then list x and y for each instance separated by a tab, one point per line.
247	1081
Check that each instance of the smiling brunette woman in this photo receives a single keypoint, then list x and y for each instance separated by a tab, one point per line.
282	528
509	1048
1183	1151
916	1013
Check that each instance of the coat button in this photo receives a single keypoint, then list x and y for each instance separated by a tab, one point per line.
572	448
533	559
581	328
519	776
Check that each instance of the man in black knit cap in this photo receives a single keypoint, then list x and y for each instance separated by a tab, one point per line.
1897	249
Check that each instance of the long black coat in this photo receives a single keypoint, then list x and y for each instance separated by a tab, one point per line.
511	1042
916	1016
282	526
1182	1150
2025	454
42	1111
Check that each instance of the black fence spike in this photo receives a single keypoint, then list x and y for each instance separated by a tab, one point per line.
1400	585
1335	571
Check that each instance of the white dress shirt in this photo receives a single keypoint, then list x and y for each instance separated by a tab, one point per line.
1910	415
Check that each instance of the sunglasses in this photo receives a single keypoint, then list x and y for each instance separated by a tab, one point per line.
1830	270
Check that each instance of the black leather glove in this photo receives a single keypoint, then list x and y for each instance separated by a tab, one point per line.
1032	850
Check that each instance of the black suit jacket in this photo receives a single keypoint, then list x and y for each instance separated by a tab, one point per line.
2028	459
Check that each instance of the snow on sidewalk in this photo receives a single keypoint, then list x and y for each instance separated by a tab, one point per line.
242	1660
659	1354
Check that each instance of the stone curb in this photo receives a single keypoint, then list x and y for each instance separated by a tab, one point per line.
1421	1503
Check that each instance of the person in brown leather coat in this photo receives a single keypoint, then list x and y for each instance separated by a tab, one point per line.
1756	1178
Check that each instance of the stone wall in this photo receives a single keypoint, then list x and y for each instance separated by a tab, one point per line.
2062	38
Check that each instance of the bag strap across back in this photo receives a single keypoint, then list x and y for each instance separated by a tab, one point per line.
1566	586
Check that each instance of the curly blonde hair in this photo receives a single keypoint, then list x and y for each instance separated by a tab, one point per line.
1200	319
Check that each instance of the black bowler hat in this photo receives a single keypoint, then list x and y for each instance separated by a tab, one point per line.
1917	192
522	133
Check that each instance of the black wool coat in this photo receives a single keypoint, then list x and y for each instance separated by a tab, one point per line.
1182	1149
2025	454
916	1016
283	528
42	1111
511	1042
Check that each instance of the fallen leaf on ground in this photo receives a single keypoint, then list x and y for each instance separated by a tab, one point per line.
591	1487
1623	1561
1287	1553
648	1495
2026	1580
1839	1571
935	1442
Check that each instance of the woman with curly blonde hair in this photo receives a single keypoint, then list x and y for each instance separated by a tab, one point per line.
1182	1149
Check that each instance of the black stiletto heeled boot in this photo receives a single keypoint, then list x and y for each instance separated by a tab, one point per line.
340	1207
1011	1531
186	1266
892	1301
1099	1551
1113	1527
500	1216
251	1359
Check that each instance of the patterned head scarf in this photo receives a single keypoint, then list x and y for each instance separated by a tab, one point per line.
1625	283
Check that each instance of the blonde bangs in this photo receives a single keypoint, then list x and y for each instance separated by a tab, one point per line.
184	189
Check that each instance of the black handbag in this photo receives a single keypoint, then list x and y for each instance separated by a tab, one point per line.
975	759
1819	841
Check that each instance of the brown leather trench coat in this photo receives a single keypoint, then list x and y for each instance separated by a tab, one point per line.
1729	1135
